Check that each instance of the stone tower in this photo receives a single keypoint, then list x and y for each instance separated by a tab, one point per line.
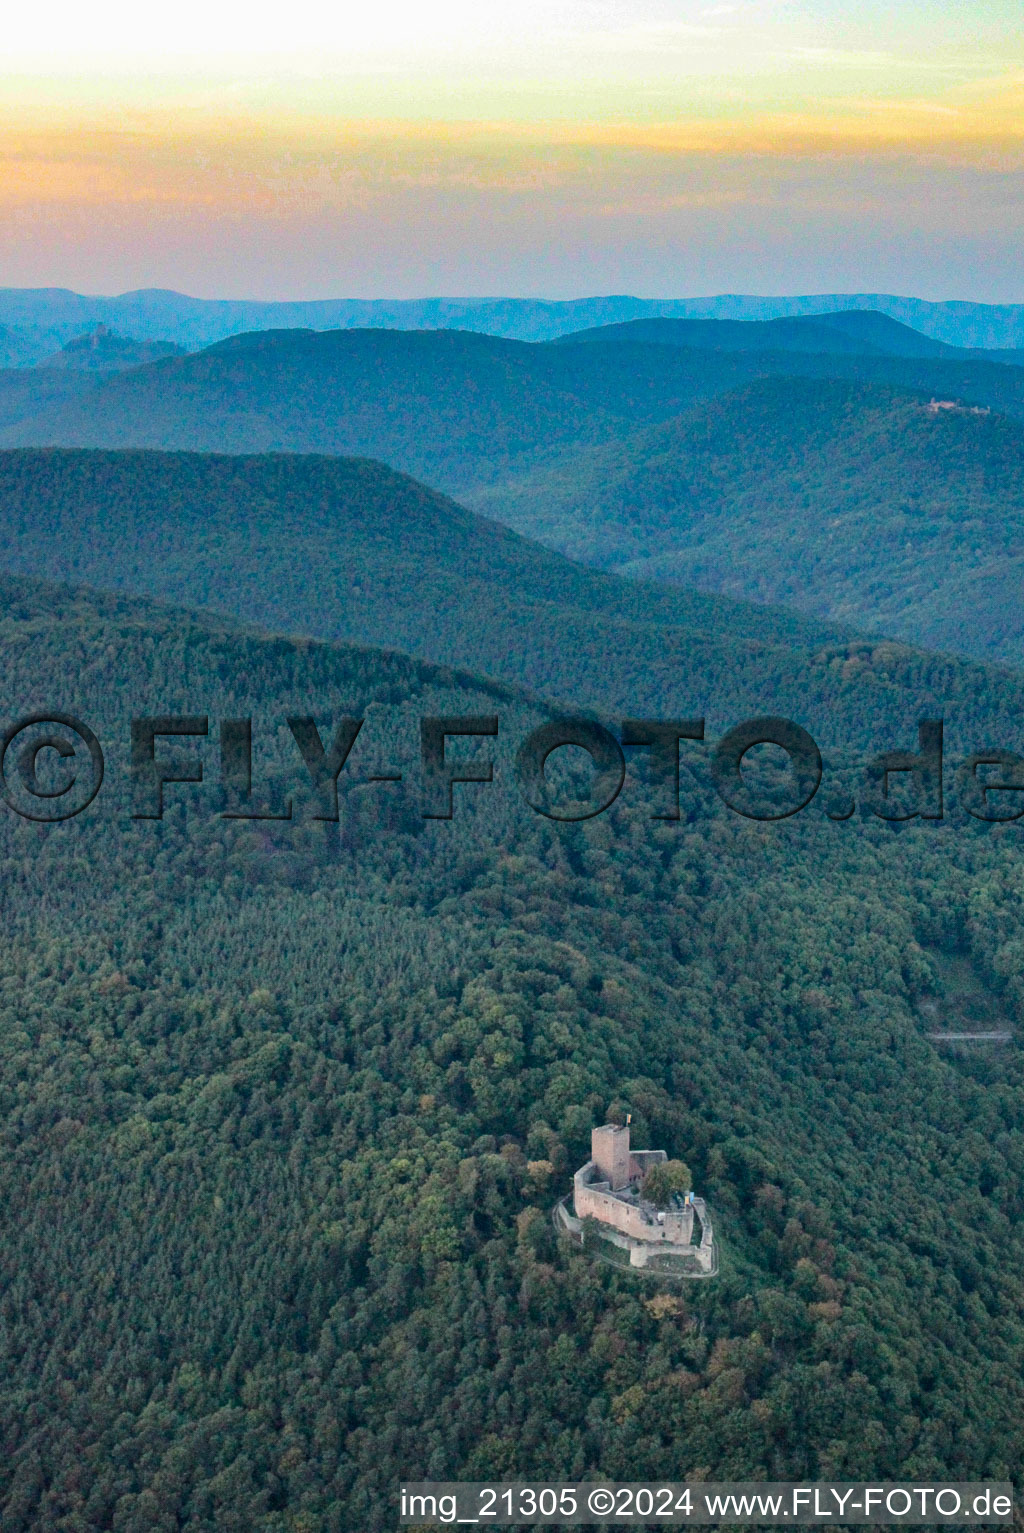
609	1150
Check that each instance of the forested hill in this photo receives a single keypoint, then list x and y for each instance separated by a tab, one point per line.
459	410
859	504
855	332
284	1109
347	549
441	404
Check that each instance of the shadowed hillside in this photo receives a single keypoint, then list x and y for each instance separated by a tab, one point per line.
859	333
347	549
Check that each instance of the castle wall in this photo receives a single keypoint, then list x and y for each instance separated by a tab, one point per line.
594	1199
613	1169
643	1254
597	1204
679	1225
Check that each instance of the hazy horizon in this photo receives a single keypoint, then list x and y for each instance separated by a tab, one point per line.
601	147
568	296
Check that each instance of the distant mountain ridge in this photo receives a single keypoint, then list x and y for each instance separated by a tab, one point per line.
44	318
24	345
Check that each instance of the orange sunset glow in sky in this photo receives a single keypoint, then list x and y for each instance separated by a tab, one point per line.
312	150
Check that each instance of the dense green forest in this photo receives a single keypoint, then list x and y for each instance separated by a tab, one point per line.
857	503
449	406
462	411
345	549
285	1106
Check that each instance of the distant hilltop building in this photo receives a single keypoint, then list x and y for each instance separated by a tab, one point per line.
101	351
609	1189
935	405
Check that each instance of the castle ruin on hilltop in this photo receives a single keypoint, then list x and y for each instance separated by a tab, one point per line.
609	1190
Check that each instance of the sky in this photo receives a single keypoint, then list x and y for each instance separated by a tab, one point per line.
551	148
